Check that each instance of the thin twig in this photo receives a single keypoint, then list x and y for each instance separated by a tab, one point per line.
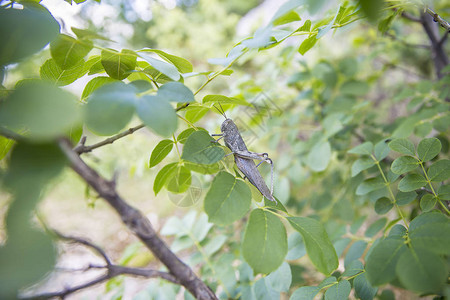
83	242
81	148
111	269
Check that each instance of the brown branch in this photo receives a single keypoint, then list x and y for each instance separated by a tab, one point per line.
439	56
111	272
138	224
437	18
81	148
83	242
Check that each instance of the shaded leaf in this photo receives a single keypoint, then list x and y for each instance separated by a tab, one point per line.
110	108
439	171
24	32
318	246
156	113
265	242
421	270
428	149
45	110
200	148
118	65
411	182
227	200
404	164
403	146
176	91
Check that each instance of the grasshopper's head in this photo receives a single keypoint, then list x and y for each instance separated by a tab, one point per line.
228	127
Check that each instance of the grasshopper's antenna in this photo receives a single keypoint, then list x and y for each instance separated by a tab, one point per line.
223	111
220	112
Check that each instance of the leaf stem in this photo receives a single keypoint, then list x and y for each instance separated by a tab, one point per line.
388	185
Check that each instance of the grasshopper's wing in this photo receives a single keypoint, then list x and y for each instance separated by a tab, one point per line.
248	168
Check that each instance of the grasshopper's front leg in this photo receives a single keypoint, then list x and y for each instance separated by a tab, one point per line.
217	134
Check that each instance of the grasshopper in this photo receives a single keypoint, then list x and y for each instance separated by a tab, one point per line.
244	158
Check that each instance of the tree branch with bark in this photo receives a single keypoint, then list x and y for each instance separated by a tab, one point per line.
138	224
111	271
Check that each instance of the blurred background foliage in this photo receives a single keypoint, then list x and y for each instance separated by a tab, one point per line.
364	82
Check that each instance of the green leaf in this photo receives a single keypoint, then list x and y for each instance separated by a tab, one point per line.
200	148
265	242
94	84
305	293
45	110
195	112
67	51
180	180
403	146
354	88
163	177
374	228
364	290
118	65
382	260
427	218
428	202
157	113
432	233
444	192
411	182
404	164
110	108
383	205
318	246
353	268
224	100
307	44
52	72
165	68
280	279
381	150
370	185
160	152
296	246
214	245
24	32
176	91
306	27
319	156
227	200
405	198
183	136
428	149
421	270
5	146
363	149
355	251
372	9
88	34
338	291
361	165
183	65
289	17
261	38
439	171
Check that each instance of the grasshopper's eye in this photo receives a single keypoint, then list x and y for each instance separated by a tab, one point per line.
265	155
